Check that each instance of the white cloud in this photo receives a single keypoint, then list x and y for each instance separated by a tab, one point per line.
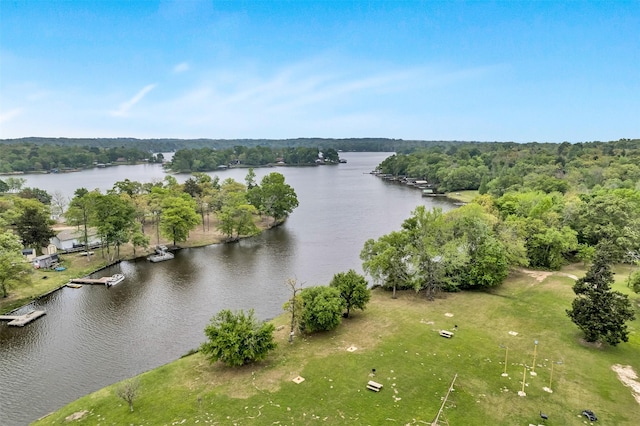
7	116
126	106
323	96
181	67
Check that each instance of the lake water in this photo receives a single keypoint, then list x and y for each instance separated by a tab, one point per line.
94	336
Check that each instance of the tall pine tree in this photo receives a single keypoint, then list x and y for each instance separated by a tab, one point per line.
597	310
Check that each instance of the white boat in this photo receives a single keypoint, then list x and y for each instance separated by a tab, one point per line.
160	257
115	279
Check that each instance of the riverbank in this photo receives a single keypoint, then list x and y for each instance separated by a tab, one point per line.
400	339
46	281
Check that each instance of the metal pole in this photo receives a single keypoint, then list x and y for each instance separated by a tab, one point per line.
506	354
435	422
533	367
524	381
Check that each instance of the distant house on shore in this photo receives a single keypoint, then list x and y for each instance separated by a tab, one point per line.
70	238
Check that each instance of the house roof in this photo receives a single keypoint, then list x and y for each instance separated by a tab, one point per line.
74	234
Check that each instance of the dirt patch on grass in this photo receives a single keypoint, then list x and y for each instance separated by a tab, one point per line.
76	416
629	378
539	276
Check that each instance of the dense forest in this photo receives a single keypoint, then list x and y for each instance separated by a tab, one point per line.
207	159
29	157
540	205
497	168
452	164
169	145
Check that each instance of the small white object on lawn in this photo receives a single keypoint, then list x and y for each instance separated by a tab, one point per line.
298	380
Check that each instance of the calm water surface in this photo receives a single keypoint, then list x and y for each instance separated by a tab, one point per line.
94	336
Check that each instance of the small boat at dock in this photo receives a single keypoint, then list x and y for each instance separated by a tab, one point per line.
162	254
159	257
114	279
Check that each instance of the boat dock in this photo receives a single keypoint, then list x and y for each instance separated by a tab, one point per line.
102	280
22	320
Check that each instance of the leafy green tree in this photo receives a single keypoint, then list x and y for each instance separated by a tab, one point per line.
277	199
80	212
250	179
237	220
321	309
129	187
634	281
114	217
431	250
386	260
597	310
15	184
3	186
538	217
32	225
36	193
585	253
487	260
237	339
331	155
13	271
192	188
178	217
612	216
138	239
353	289
548	247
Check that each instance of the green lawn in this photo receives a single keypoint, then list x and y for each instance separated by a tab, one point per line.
399	338
463	196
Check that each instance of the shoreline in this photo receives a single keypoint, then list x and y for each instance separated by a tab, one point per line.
213	241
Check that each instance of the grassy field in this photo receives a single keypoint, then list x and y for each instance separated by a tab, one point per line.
399	339
463	196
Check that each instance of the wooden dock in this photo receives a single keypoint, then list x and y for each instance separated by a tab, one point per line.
102	280
22	320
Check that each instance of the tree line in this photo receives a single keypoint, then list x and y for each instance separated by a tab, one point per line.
172	144
498	168
138	213
208	159
31	157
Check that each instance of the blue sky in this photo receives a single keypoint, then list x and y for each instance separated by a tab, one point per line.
485	71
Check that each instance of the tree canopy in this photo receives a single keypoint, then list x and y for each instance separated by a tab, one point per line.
464	248
237	338
13	271
353	289
273	197
32	224
321	309
598	311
